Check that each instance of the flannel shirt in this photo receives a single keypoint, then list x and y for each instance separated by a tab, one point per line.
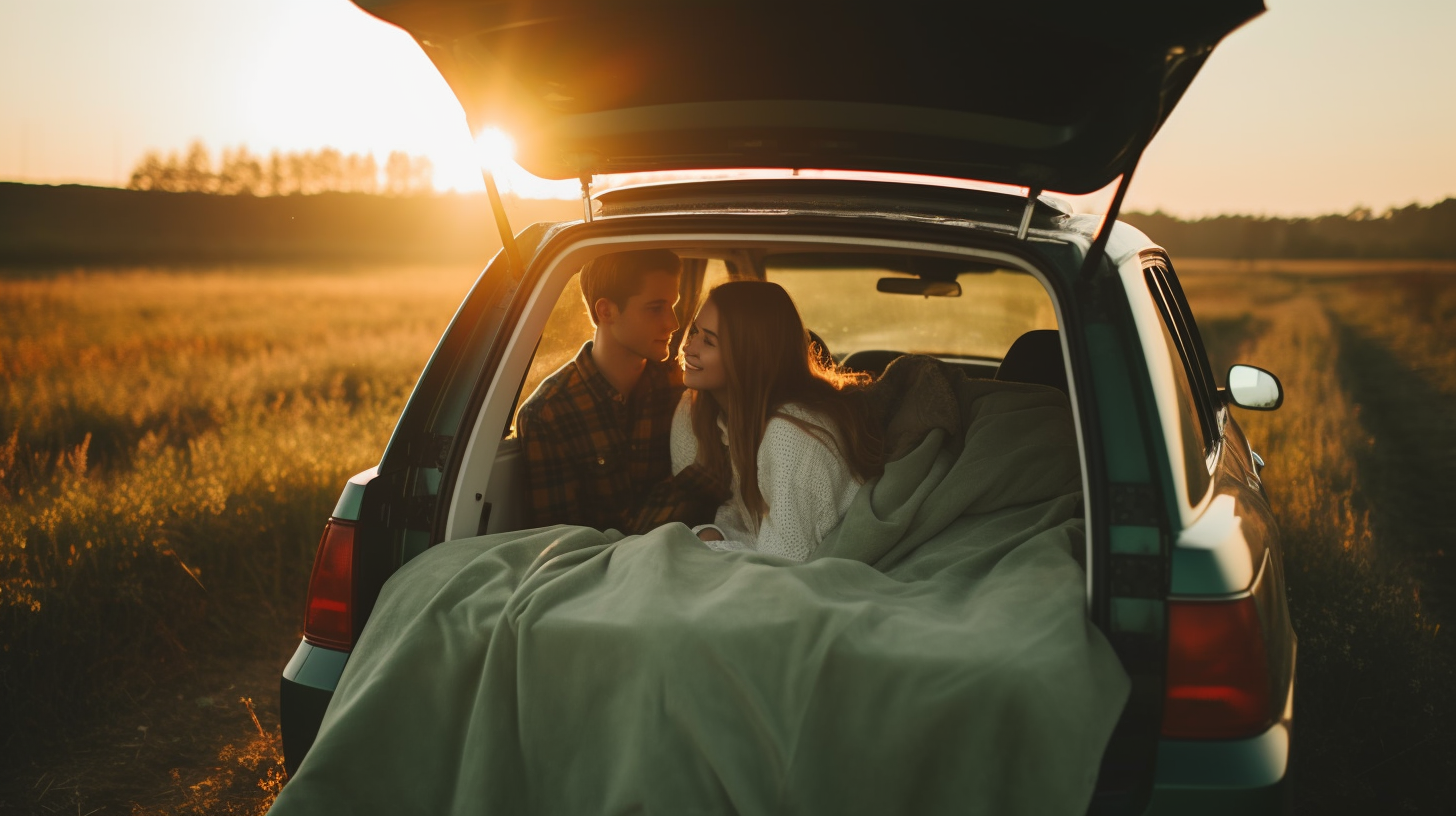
600	459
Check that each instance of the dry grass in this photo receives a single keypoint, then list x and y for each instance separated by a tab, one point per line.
244	781
1373	714
170	445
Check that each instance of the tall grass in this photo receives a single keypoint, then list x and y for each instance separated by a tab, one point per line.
1375	671
170	445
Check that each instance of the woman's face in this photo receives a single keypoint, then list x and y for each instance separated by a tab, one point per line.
702	361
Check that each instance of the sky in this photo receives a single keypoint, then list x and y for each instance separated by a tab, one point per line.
1317	106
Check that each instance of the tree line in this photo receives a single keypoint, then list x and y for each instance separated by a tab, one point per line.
239	171
1406	232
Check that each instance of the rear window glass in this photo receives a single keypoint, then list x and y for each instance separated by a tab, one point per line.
844	307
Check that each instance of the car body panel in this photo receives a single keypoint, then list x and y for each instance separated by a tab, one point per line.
1055	94
305	690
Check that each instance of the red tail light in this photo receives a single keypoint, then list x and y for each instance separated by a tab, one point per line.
1218	676
328	619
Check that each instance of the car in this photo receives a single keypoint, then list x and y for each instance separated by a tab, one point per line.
894	167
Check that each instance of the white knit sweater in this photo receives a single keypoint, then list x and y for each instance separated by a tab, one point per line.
805	481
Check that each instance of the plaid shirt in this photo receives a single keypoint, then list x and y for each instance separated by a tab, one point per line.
600	459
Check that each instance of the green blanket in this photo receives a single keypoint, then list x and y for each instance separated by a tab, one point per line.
934	657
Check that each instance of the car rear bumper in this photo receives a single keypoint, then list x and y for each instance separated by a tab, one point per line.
1248	777
308	684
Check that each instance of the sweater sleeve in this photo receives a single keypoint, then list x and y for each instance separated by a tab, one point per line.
803	479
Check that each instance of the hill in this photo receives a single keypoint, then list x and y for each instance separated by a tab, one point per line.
1408	232
73	224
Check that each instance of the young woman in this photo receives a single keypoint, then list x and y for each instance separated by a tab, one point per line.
789	434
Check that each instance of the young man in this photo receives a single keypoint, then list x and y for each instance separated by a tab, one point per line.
596	432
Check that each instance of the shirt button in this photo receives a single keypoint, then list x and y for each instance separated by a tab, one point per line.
601	461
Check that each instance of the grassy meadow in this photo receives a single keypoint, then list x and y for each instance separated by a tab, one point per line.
171	442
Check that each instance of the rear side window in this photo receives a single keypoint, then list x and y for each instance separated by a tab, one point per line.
1196	420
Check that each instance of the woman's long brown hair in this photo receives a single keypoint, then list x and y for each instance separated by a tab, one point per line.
770	362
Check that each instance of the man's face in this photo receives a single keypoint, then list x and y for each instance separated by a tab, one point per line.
645	325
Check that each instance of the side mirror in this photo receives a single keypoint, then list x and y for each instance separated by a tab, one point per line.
1254	388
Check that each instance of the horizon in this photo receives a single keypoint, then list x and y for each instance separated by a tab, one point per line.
1358	213
1311	109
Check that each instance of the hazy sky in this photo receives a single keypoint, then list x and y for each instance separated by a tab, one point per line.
1317	106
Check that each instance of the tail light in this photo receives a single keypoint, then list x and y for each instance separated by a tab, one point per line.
1218	676
328	620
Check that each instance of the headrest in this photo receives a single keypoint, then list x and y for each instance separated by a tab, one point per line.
1035	357
871	361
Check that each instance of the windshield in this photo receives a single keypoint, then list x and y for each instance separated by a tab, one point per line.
846	309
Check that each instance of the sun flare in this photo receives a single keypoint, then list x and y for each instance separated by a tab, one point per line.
496	149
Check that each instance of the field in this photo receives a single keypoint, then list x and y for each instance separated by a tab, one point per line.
171	443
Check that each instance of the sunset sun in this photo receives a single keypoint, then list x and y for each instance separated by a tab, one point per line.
496	150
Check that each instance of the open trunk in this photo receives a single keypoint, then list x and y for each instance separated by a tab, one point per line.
1056	94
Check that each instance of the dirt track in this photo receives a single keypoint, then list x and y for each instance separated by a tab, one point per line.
186	746
1411	465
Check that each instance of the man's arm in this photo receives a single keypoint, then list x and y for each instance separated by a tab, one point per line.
553	488
689	496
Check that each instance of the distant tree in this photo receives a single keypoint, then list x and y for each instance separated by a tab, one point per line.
329	170
241	172
276	177
407	175
197	175
172	179
147	175
362	173
397	173
422	176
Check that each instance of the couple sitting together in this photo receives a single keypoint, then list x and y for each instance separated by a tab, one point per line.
749	436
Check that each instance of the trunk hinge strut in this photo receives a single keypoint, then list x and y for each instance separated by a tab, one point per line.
502	224
1104	230
1031	195
586	213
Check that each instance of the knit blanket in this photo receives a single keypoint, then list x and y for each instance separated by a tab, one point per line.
933	657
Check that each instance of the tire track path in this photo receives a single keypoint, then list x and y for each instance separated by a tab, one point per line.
1409	470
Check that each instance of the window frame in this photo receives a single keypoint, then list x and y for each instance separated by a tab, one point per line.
1172	309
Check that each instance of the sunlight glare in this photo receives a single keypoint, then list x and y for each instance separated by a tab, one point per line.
496	149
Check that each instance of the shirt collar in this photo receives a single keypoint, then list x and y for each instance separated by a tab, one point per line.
595	381
654	376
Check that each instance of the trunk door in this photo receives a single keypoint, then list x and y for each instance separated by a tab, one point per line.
1055	94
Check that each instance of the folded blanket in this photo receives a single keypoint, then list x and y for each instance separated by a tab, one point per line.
934	657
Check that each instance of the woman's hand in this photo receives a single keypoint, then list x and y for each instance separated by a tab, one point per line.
710	535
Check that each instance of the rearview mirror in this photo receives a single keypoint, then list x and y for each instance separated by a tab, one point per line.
1254	388
919	286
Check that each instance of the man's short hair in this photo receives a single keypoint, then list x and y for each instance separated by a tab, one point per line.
618	276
